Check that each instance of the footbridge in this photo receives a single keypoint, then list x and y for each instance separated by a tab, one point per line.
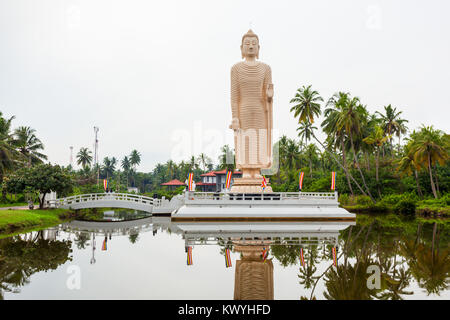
108	200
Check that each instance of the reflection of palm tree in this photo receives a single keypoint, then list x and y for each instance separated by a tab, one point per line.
396	286
347	282
81	240
134	237
306	275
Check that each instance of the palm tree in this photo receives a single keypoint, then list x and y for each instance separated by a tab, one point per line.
392	123
292	154
350	119
428	147
135	158
307	104
28	144
203	160
377	138
8	153
311	153
226	159
406	165
308	108
84	157
305	131
109	166
126	166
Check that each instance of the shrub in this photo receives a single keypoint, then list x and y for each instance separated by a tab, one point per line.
406	206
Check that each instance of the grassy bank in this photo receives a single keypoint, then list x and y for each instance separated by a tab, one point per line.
401	204
14	221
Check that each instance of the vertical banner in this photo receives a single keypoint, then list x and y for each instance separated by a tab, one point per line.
300	180
191	182
105	183
228	179
227	258
333	180
264	254
263	183
335	262
189	256
104	245
302	258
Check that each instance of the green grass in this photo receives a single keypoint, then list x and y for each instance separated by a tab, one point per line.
11	221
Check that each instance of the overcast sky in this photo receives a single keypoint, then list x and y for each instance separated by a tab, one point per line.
154	75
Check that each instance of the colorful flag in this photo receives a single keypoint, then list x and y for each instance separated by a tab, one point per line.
228	179
335	262
104	247
189	256
227	258
300	180
333	180
105	183
302	258
263	183
191	182
265	254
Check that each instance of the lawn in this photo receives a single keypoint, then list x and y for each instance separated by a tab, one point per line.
15	220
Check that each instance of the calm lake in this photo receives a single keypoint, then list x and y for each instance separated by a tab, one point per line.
378	257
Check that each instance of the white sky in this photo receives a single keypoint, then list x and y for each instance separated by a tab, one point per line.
147	72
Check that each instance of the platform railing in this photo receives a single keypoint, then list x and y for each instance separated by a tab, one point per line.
275	196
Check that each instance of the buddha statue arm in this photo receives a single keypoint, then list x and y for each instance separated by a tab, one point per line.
268	84
234	99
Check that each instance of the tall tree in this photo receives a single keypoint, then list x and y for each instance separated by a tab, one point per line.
392	123
135	158
84	157
29	145
430	146
126	166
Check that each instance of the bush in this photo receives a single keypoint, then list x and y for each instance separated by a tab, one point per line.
406	206
363	200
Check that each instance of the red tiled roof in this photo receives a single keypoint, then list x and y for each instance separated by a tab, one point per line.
173	182
204	184
209	174
225	171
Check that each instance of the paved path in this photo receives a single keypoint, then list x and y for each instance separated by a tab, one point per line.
14	208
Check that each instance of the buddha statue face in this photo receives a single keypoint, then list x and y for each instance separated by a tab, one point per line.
250	45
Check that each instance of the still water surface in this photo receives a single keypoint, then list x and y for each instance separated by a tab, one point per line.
147	259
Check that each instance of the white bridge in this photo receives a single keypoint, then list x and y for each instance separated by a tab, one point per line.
108	200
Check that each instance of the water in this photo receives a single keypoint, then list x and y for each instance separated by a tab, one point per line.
147	259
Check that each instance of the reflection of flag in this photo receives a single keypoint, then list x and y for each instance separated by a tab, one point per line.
263	183
335	262
105	183
265	254
104	248
300	180
189	256
228	179
227	258
333	180
191	182
302	259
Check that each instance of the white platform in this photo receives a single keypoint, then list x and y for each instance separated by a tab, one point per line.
294	206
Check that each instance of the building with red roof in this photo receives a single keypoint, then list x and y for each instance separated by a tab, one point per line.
173	184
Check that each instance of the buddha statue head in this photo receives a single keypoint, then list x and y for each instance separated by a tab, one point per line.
250	45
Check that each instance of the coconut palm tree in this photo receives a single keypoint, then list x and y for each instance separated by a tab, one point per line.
109	166
307	107
226	158
392	123
311	153
8	153
135	159
305	131
29	145
126	166
430	146
203	160
84	157
407	166
377	138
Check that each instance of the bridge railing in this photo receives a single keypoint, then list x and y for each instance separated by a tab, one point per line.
93	197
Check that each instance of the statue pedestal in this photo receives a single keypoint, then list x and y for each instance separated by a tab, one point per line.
249	185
